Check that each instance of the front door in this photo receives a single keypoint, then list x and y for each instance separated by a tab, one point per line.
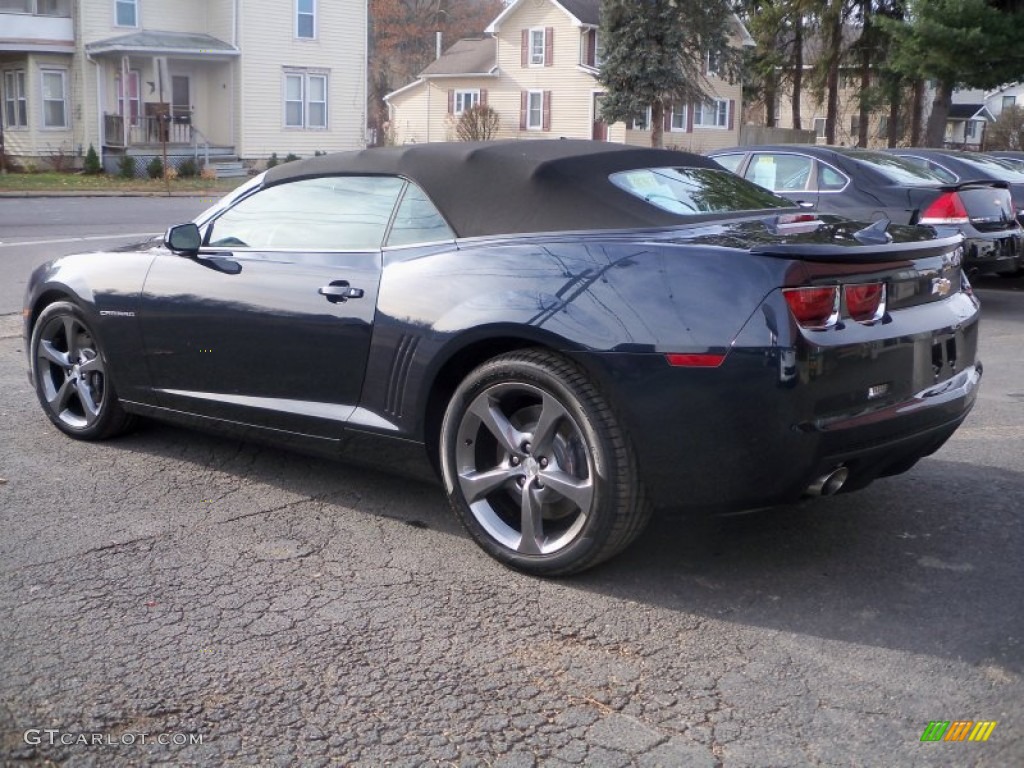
270	326
600	128
181	97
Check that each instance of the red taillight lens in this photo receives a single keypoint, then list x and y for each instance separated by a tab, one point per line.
694	360
865	303
947	208
814	308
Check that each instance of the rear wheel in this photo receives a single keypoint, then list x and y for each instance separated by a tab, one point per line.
70	372
537	467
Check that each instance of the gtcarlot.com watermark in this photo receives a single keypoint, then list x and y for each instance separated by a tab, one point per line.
54	737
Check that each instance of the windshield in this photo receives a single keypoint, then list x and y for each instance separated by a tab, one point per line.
993	168
898	169
696	190
228	199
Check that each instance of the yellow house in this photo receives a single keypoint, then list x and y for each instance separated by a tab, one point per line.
537	67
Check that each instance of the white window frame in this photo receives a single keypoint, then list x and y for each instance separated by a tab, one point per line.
1008	101
124	101
642	124
536	53
678	110
64	98
300	13
970	129
718	112
134	4
539	96
712	62
16	98
465	98
820	125
304	77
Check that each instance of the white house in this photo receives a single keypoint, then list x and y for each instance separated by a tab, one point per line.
243	78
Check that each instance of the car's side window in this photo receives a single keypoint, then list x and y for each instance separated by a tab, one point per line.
829	179
418	221
935	168
729	162
779	172
330	213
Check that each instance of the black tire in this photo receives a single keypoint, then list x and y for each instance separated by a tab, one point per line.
558	507
71	375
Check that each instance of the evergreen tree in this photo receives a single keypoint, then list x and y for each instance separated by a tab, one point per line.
653	54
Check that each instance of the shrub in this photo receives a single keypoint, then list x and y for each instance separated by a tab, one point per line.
126	167
171	173
273	160
92	165
1007	132
187	168
478	123
290	157
155	169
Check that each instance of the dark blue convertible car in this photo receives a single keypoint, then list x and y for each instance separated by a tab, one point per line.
571	334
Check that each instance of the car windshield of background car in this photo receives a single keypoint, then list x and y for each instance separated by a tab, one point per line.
897	169
995	169
696	190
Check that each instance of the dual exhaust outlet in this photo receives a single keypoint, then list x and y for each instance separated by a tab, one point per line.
829	483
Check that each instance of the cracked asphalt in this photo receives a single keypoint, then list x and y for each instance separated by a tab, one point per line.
291	611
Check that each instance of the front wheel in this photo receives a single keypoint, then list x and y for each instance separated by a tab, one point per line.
70	372
537	467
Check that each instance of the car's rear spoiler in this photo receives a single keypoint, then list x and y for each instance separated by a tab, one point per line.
859	253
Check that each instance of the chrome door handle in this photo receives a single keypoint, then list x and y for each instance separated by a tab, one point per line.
340	290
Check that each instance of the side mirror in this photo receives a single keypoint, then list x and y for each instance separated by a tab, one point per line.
184	239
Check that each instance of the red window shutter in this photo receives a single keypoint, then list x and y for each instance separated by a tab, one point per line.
526	48
546	119
483	97
523	104
549	46
689	118
732	110
591	54
451	101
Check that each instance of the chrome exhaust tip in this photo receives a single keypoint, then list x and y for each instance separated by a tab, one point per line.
829	483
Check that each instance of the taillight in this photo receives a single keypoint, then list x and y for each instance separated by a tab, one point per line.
815	308
865	302
947	208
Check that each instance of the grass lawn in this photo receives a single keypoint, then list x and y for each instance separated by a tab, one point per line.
78	182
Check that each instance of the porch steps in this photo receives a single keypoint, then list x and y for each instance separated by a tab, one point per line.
229	169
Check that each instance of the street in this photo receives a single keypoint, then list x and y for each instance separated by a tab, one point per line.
293	611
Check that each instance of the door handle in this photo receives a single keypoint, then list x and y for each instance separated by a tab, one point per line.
340	290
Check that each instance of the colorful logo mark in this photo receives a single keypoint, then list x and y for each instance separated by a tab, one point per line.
958	730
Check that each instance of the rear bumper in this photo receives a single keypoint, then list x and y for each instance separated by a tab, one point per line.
1002	253
759	429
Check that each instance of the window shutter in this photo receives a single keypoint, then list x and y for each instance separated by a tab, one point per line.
549	46
732	109
591	54
451	101
483	97
689	117
526	48
546	124
523	103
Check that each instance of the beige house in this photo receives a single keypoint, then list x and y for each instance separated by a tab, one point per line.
537	67
203	76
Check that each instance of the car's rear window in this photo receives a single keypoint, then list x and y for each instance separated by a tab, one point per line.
696	190
993	169
898	169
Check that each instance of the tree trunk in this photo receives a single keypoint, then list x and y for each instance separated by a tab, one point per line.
798	66
915	115
936	131
832	83
895	90
867	38
658	124
771	95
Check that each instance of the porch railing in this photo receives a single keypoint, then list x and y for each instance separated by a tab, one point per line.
150	129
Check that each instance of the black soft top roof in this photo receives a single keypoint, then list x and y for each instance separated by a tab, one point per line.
502	187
